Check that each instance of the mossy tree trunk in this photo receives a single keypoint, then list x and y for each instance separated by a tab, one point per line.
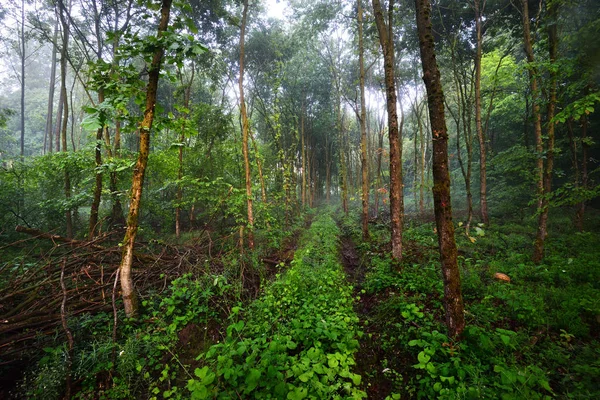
386	39
453	301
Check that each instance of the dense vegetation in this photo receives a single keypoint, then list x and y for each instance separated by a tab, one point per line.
352	199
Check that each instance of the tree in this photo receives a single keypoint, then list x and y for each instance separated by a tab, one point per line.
129	296
479	7
245	131
453	302
363	126
386	41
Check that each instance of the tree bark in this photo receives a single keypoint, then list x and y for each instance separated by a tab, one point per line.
386	40
129	297
542	230
49	126
65	107
363	127
22	50
453	302
579	218
478	125
535	101
245	130
303	155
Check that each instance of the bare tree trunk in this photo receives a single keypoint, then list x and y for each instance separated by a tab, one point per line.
542	231
303	155
453	302
128	292
480	133
186	103
579	218
245	130
22	50
50	112
65	107
386	40
423	152
535	101
93	226
363	127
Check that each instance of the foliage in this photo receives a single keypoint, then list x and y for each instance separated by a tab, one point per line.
297	341
531	338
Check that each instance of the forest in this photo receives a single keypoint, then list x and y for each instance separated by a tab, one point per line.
299	199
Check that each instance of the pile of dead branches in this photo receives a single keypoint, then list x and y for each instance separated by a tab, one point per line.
62	278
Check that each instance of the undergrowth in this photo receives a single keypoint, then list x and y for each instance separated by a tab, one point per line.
533	338
297	341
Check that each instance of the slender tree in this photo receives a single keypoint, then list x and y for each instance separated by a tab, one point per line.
245	130
386	39
363	126
548	165
129	297
62	10
453	302
479	7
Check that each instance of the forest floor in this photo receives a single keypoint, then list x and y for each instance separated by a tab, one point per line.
319	314
370	354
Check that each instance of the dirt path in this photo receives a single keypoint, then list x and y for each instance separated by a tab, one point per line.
370	355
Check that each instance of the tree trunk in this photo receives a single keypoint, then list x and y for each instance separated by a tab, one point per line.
453	302
303	155
245	130
535	101
99	136
65	108
129	297
386	40
423	152
542	230
579	218
480	133
186	103
22	50
50	112
363	127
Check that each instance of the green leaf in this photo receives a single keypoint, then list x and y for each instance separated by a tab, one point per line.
252	380
423	358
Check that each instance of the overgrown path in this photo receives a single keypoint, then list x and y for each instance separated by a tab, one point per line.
298	340
370	356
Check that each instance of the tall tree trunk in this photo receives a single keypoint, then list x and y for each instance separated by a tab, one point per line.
423	152
343	165
386	40
327	170
542	230
22	50
480	133
579	218
380	188
303	155
65	107
363	127
50	112
535	101
129	296
245	131
187	92
453	302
